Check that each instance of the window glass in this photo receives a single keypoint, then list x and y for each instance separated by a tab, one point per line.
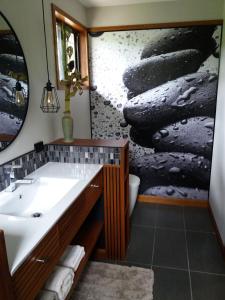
67	50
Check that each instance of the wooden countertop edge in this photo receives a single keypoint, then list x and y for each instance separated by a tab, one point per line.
121	143
7	137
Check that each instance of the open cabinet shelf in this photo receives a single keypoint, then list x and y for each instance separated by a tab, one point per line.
87	237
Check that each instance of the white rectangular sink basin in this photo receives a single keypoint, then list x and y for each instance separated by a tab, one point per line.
36	199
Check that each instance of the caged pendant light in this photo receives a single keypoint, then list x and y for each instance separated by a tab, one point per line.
19	94
50	100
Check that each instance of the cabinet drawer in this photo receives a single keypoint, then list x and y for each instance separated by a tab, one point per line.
74	217
94	189
33	273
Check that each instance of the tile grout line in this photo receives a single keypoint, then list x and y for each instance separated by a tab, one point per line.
154	237
208	273
174	229
158	227
188	262
170	268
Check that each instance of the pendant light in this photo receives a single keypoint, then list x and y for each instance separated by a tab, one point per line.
19	94
50	100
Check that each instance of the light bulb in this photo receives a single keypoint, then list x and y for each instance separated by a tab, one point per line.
50	100
19	98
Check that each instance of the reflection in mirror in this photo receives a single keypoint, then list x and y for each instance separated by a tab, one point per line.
68	43
14	88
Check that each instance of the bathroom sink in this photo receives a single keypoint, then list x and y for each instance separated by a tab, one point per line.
37	199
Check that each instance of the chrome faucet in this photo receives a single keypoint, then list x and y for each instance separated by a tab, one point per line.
14	182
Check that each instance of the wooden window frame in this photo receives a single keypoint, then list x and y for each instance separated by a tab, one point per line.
60	15
155	26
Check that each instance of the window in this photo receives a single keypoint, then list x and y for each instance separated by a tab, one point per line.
70	41
68	45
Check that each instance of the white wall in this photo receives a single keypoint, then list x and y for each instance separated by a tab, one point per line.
80	108
217	186
180	10
25	16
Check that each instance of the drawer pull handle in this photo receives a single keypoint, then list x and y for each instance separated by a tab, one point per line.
95	186
42	260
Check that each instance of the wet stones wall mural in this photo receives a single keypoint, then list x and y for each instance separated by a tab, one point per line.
159	89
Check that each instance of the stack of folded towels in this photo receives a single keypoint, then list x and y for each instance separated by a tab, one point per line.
61	280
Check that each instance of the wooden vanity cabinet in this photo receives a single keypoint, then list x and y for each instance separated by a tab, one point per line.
113	183
116	197
33	273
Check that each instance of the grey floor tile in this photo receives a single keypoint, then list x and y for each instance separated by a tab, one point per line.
171	284
208	287
198	219
204	253
141	245
144	214
170	249
170	216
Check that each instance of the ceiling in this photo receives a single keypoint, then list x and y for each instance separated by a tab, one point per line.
101	3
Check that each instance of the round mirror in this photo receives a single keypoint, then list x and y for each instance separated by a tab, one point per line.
14	85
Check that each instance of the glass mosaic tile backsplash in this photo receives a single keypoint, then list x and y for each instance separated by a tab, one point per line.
59	153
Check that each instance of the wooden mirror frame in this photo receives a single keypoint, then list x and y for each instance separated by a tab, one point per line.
59	14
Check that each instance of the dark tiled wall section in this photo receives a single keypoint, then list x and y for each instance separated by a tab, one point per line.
3	145
58	153
29	162
88	155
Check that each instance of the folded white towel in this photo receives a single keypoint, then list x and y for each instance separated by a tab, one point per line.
72	257
60	282
46	295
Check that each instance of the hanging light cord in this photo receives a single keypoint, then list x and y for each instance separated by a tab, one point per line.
46	50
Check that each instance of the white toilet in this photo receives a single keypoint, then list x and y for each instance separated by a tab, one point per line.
134	183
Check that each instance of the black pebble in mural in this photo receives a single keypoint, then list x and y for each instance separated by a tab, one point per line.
172	168
171	108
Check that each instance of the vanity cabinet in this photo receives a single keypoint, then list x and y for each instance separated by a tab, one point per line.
70	228
77	224
116	190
